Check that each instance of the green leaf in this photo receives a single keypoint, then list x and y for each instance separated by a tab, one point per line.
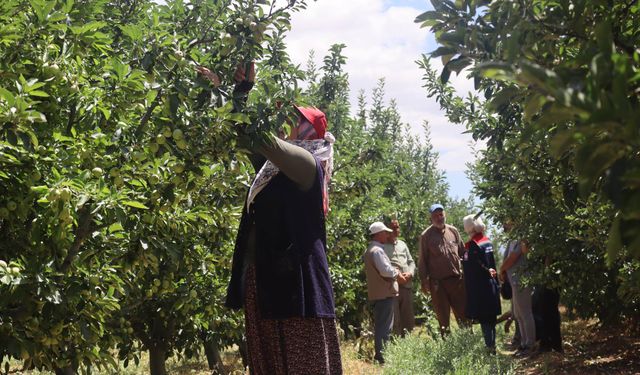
503	97
132	31
495	70
7	96
39	93
116	227
458	64
428	15
442	51
135	204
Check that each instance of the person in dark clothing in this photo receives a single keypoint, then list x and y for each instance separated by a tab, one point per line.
547	318
481	284
280	274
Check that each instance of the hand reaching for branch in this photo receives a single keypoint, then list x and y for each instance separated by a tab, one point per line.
241	73
208	74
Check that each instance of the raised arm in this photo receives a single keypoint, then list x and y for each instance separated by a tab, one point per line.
295	162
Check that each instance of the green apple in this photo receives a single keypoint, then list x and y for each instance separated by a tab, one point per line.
139	156
181	144
177	180
65	194
177	134
161	139
178	167
35	175
97	172
64	214
53	195
11	205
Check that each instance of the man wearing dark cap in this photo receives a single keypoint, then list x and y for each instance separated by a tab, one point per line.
439	267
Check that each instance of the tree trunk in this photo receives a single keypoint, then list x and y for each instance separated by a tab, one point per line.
66	371
213	357
157	357
242	347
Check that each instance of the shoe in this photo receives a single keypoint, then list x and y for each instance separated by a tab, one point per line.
523	352
513	345
379	359
544	349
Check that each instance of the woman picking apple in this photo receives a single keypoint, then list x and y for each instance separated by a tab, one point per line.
280	274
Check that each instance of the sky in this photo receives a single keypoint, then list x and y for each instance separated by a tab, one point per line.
383	41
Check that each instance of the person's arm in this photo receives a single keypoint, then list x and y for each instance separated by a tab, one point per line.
422	264
383	265
411	265
477	255
491	263
244	81
461	248
512	258
295	162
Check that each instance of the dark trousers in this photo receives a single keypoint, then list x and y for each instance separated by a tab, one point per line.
382	324
488	326
547	318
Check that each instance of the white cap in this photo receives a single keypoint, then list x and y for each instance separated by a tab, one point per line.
378	227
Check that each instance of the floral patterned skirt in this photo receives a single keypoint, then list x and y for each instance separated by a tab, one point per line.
288	346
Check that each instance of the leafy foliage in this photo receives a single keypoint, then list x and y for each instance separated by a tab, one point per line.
381	172
559	92
120	179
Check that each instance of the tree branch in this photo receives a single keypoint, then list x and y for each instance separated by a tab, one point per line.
83	230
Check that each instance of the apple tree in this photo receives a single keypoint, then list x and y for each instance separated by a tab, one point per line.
120	174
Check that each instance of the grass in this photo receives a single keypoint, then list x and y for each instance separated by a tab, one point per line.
462	352
589	350
194	366
418	353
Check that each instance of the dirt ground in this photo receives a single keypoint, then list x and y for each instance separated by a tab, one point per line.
590	349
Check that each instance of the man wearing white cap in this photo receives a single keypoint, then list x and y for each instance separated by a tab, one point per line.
382	285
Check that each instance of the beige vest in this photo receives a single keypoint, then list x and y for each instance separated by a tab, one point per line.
377	286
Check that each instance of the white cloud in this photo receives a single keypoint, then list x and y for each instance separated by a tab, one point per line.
383	41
